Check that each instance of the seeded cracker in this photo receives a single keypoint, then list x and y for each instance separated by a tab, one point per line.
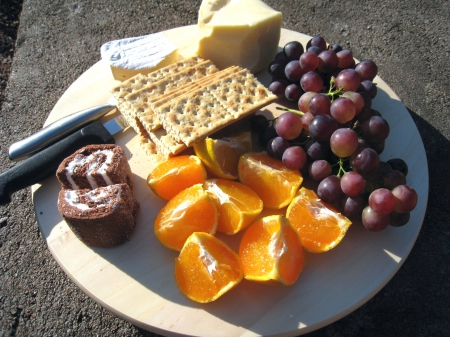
200	113
139	81
138	101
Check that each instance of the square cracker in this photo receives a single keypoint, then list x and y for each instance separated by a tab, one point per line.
193	116
138	101
202	112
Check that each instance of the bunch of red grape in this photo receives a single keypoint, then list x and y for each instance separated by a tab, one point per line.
335	136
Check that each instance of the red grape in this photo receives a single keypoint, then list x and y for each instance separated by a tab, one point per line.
405	198
343	110
367	70
348	79
382	201
374	221
294	157
352	184
289	125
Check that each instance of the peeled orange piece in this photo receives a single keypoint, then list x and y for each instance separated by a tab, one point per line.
221	156
320	226
191	210
271	250
171	176
206	268
275	184
238	205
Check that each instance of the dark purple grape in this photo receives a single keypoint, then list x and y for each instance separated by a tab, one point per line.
399	219
352	184
335	47
367	70
378	146
276	69
348	79
328	61
294	157
266	135
405	198
278	87
329	189
374	221
399	165
370	88
316	50
382	201
293	92
317	41
384	167
365	161
366	113
309	61
281	57
293	71
319	104
316	150
293	50
352	207
289	125
393	178
319	169
375	129
258	123
322	127
311	81
276	147
367	99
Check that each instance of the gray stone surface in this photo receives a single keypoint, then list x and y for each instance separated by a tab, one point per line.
59	40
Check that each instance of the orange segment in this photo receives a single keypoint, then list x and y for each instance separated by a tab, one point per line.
271	250
191	210
275	184
320	226
221	156
238	205
206	268
171	176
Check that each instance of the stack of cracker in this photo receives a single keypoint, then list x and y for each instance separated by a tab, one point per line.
178	105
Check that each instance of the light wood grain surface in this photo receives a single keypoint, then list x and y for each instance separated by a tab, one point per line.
135	280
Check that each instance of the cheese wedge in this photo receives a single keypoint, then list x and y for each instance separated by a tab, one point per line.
143	54
245	33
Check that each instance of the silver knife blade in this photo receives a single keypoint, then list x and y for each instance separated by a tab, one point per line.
58	130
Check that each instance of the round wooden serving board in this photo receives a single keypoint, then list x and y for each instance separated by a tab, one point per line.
135	280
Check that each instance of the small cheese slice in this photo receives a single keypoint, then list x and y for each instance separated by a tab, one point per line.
143	54
245	33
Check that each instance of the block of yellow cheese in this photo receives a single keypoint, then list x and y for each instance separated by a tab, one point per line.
142	54
245	33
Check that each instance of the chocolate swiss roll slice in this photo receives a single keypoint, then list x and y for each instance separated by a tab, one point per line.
101	217
95	166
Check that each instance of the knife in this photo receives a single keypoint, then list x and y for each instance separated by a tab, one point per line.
58	130
45	163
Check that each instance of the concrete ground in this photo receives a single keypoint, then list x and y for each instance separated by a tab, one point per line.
59	40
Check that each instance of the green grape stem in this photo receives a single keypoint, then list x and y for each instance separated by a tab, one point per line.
341	171
297	112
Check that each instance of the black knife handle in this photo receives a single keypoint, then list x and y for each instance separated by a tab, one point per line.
45	163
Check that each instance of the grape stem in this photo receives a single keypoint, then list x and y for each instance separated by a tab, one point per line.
341	171
297	112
